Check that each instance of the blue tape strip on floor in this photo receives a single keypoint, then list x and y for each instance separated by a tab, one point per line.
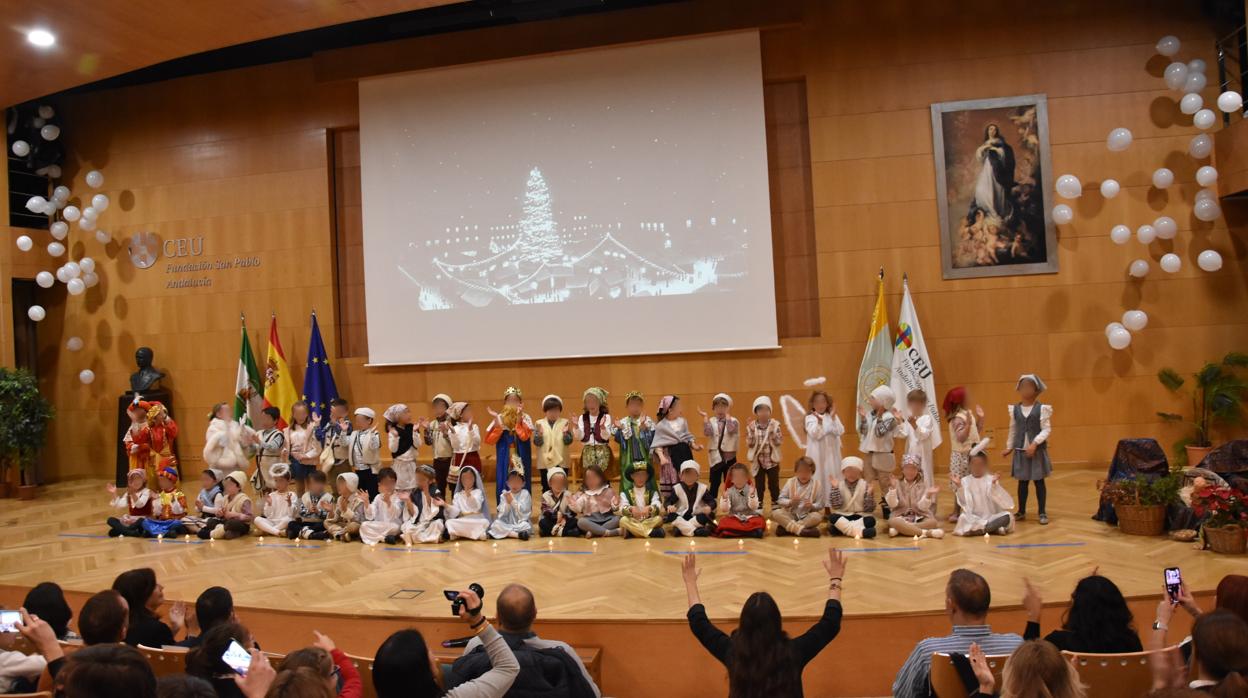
83	535
555	552
1040	545
175	541
406	549
906	549
287	545
706	552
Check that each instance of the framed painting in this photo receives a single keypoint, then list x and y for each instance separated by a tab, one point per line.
993	184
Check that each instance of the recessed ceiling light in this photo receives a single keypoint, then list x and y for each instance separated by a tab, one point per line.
41	37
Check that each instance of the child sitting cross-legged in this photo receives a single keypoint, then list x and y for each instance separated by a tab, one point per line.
640	514
515	509
739	510
350	509
385	515
912	501
557	518
135	503
315	506
985	503
852	502
279	507
691	506
236	514
797	511
424	523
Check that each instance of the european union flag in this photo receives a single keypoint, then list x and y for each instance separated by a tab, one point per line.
318	377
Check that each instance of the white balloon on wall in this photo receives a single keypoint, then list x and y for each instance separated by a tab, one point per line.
1168	45
1207	209
87	376
62	275
76	287
1146	234
1062	214
1138	268
59	230
56	249
87	224
1207	176
95	179
24	243
1191	103
1119	139
1200	146
1119	339
1120	234
1112	326
1110	188
35	204
1209	260
103	237
91	214
61	193
86	264
21	148
1069	186
45	279
36	313
1135	320
73	269
1166	227
100	202
1195	82
50	132
1196	65
72	213
1162	177
90	279
74	343
1230	101
1175	75
1206	193
1170	263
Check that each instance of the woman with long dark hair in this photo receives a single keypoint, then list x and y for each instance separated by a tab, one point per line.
762	660
145	595
1098	620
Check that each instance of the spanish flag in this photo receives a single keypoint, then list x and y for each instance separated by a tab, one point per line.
279	388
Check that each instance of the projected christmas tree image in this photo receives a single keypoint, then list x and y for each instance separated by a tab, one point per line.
539	259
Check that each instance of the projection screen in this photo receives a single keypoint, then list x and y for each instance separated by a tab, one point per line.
604	202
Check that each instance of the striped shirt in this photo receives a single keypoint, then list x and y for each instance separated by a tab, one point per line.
912	678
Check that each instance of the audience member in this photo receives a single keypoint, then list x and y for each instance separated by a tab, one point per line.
183	686
301	682
1098	620
1035	669
106	671
47	601
762	660
330	663
1232	595
545	665
1219	655
967	599
104	618
19	672
214	606
205	660
405	667
145	595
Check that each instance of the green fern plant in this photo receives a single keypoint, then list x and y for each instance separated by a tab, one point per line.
1217	394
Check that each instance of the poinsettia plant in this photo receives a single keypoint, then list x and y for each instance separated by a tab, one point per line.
1224	506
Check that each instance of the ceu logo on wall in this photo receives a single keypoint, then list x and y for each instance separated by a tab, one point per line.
144	249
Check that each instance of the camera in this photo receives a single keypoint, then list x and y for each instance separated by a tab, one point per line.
458	603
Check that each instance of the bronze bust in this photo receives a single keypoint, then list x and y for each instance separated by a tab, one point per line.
146	377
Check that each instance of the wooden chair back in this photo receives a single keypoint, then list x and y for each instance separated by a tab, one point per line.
1114	675
364	665
165	661
946	683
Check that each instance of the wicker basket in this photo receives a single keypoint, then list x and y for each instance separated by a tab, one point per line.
1228	540
1141	519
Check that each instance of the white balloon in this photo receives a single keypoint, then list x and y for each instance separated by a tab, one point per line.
1138	268
51	206
1120	339
100	202
1166	227
35	204
59	230
50	132
87	376
76	287
1191	103
1170	263
102	237
1135	320
1119	139
1109	329
1110	188
1207	210
62	275
74	343
46	111
1207	176
1176	75
1069	186
1162	177
54	171
61	193
1195	82
21	148
56	249
87	224
95	179
1206	194
1209	260
1062	214
1146	234
1168	45
1200	146
86	264
73	269
24	243
90	213
90	279
36	313
72	213
1230	101
1120	234
1195	65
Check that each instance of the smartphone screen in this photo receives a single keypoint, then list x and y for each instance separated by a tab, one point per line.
1173	580
236	658
9	621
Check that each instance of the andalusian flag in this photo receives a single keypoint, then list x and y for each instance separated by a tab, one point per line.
248	391
877	361
279	389
912	367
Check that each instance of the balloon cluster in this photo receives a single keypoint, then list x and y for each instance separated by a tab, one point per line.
83	273
35	137
1189	80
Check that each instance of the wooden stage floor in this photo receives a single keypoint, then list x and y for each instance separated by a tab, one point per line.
61	537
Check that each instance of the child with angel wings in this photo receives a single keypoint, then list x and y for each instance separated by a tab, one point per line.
818	430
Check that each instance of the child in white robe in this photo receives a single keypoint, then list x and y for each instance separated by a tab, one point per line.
985	503
919	429
468	515
403	438
823	440
350	509
515	510
387	512
913	502
279	507
364	450
424	522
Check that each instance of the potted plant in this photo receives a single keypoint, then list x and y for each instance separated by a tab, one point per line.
1225	513
1140	503
24	415
1217	398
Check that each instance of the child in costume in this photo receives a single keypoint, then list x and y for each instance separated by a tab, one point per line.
515	510
740	514
551	436
138	453
228	444
270	449
136	502
593	430
279	507
335	435
851	501
823	432
919	430
690	507
634	432
595	505
364	450
207	502
168	504
672	444
315	505
349	511
302	448
468	515
557	518
641	516
763	438
465	441
157	434
236	511
912	501
424	522
877	430
403	438
511	432
437	435
1028	442
385	517
984	502
799	509
723	433
964	431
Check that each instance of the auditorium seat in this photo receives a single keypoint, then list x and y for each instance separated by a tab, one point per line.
1114	675
40	694
364	665
945	680
165	661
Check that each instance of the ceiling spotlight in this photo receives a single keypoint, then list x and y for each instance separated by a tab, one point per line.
41	37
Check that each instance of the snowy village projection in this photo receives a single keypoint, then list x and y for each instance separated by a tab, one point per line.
547	252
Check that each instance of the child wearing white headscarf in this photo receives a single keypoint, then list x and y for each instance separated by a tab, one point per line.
468	515
1028	443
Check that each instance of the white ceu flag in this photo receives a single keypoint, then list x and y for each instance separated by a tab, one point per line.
912	369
